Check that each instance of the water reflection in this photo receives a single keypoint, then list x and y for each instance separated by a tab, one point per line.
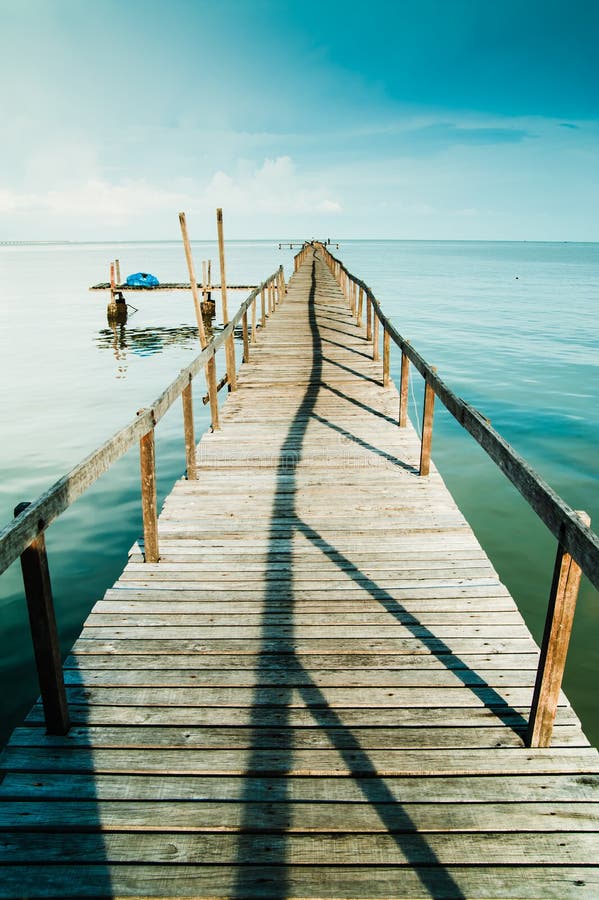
125	340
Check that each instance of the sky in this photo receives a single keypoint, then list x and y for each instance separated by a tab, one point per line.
412	119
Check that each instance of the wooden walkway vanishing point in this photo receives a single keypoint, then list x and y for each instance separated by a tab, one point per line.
320	690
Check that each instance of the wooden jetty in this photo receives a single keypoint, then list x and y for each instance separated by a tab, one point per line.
319	687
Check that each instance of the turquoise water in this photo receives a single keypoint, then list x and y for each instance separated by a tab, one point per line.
513	328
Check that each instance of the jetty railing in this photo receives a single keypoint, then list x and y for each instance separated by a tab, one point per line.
24	537
578	546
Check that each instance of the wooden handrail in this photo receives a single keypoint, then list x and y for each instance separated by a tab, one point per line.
33	521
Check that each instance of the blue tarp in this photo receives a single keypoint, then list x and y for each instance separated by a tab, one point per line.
142	279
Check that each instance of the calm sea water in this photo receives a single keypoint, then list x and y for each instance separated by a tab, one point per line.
513	328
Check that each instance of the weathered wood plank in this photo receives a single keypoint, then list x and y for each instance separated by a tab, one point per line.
487	761
326	881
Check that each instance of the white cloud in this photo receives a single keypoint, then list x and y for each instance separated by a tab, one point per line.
91	198
275	187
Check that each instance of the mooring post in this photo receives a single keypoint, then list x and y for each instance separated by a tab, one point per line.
112	284
427	428
117	267
403	390
189	431
554	647
386	357
44	633
230	342
211	364
147	459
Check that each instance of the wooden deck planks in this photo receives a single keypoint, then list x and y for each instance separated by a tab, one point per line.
321	688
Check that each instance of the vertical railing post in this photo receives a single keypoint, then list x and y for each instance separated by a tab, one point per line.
403	390
230	341
246	339
254	321
147	459
554	647
360	304
189	431
427	428
368	319
44	633
386	357
263	308
375	334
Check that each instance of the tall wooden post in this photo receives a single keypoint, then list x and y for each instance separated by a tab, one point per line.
211	364
403	390
368	319
44	633
427	429
386	357
375	334
554	647
112	284
263	308
147	459
117	269
189	431
230	342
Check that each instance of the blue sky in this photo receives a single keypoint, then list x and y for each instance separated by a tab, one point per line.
465	119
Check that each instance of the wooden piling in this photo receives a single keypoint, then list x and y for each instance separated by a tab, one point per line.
230	342
117	267
554	647
44	633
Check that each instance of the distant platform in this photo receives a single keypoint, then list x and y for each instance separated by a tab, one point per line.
169	286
